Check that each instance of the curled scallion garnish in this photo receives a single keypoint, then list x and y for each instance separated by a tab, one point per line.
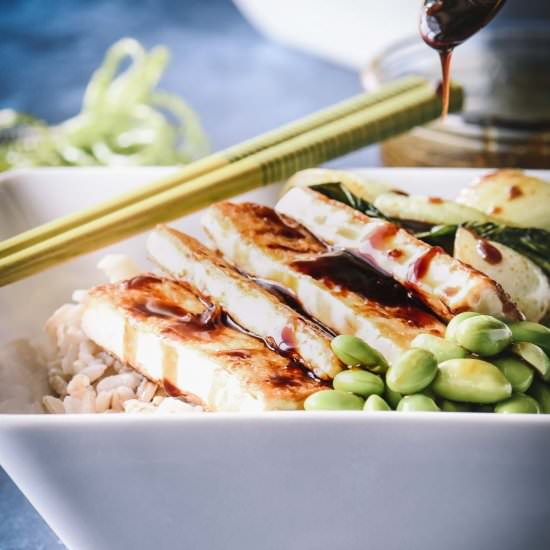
124	121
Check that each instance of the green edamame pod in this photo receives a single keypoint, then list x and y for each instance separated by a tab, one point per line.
376	403
452	406
518	403
333	400
518	373
541	392
535	356
535	333
358	381
412	372
441	349
483	335
353	351
454	323
392	397
471	381
417	403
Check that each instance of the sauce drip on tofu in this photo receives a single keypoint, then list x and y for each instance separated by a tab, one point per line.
378	238
204	324
286	296
343	273
422	264
208	319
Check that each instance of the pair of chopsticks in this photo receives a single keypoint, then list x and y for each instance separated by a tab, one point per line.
325	135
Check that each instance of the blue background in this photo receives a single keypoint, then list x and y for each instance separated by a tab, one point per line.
240	83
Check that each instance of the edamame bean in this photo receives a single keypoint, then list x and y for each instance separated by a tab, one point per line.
518	403
417	403
451	406
535	356
471	381
518	373
333	400
441	349
483	335
392	397
353	351
376	403
358	381
535	333
412	372
454	323
541	392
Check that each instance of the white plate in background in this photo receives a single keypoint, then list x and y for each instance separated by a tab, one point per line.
268	481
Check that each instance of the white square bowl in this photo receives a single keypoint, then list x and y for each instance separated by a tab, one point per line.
272	481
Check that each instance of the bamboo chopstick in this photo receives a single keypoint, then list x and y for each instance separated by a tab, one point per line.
208	164
380	120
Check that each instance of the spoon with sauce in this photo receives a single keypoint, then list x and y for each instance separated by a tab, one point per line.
445	24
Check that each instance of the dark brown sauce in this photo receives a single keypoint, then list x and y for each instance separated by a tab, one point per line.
190	398
514	192
288	343
289	298
291	379
292	375
282	292
206	323
395	253
445	24
379	236
206	320
491	254
399	192
421	265
279	226
171	389
444	88
343	272
238	353
140	282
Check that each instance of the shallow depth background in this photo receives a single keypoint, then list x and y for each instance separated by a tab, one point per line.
240	83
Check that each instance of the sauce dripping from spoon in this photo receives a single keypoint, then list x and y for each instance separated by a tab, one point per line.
445	24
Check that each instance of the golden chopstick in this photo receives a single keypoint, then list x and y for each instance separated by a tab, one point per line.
381	120
208	164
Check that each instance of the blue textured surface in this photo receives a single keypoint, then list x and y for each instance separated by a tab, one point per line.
240	83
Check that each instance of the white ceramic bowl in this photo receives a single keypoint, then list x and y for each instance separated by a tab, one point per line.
272	481
349	32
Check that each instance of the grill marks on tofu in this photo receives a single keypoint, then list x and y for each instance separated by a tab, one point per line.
168	331
251	306
335	288
445	284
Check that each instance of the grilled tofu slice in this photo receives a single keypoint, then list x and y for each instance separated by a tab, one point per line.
445	284
167	331
344	295
251	306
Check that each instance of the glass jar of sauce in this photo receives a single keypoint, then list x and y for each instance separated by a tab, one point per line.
506	118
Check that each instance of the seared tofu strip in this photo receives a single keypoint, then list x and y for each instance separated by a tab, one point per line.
343	294
167	331
445	284
251	306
